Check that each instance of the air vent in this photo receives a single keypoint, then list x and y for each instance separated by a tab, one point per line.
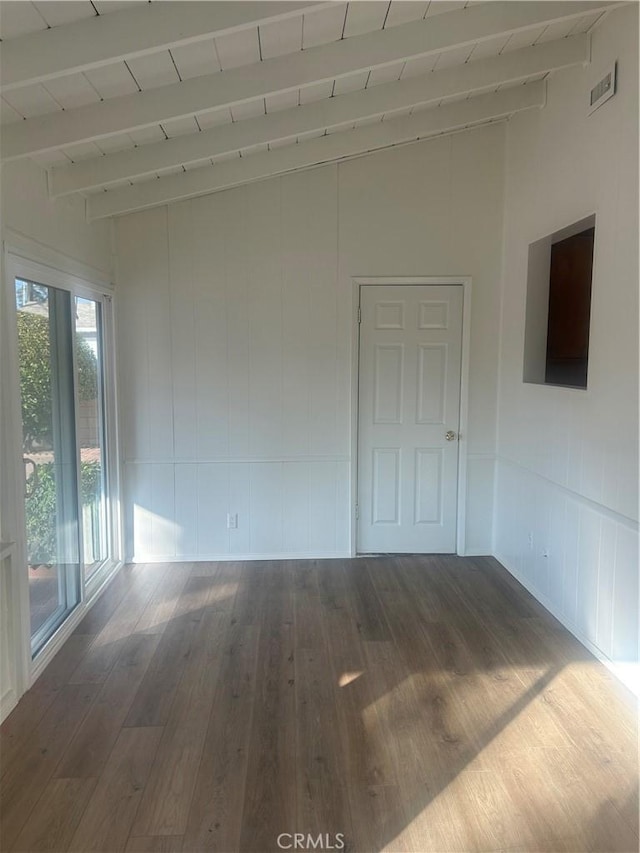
603	90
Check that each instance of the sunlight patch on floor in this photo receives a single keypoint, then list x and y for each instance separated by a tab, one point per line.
348	677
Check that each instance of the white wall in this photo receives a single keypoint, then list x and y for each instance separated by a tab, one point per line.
26	210
235	317
568	459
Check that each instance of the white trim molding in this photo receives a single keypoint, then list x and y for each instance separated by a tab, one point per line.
32	251
234	558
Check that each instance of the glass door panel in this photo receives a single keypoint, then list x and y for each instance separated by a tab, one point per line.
93	486
45	350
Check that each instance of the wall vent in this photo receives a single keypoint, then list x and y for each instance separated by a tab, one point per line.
604	89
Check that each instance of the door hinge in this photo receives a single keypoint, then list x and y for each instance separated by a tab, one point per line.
357	511
359	315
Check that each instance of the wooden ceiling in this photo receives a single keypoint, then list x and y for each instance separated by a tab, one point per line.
137	104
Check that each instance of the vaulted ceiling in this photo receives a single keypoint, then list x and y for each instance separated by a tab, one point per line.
135	104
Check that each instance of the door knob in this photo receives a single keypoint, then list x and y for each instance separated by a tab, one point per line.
450	435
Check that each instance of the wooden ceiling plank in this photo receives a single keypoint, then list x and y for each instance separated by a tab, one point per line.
281	74
32	101
104	39
281	38
153	70
196	59
403	11
112	81
353	106
18	18
323	150
323	27
237	49
60	12
365	16
72	91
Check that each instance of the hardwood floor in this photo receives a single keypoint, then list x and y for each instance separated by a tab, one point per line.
403	703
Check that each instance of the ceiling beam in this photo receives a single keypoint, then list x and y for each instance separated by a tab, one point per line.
121	35
355	106
196	182
283	74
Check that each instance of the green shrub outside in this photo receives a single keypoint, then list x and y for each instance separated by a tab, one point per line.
36	393
41	510
35	377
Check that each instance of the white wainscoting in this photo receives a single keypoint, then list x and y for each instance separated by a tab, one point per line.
577	557
285	507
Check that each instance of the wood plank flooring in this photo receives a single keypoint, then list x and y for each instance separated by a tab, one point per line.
401	703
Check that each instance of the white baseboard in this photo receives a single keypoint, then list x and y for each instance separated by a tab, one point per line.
236	558
7	703
627	673
298	555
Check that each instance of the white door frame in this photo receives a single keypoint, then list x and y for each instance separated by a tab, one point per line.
463	281
22	256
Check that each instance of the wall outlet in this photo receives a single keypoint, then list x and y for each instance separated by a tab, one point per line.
232	520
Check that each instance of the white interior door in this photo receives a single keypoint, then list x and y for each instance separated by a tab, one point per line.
408	417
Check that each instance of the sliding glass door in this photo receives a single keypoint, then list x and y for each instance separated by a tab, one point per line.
45	351
91	434
61	364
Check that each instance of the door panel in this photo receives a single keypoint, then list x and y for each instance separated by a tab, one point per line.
409	398
432	375
45	348
386	482
387	384
428	474
91	434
